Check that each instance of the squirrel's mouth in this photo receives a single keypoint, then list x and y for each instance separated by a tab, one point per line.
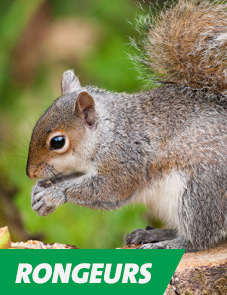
47	182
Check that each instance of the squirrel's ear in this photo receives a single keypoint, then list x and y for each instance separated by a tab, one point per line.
69	82
85	108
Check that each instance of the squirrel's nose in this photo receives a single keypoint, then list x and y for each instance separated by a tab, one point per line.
31	175
30	172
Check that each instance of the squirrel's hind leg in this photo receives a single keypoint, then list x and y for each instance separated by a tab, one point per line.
149	235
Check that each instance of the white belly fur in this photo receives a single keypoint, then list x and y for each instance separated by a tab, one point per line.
164	197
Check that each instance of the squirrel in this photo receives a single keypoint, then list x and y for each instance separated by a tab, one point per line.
165	147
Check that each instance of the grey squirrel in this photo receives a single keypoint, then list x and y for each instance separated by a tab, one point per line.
165	147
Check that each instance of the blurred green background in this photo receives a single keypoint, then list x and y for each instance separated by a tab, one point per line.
39	41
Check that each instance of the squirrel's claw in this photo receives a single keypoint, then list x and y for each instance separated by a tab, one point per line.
178	243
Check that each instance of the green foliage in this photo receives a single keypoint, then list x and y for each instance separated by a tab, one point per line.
105	65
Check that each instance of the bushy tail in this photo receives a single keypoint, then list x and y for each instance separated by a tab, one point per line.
186	44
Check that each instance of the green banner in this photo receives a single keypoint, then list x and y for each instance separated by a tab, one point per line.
87	271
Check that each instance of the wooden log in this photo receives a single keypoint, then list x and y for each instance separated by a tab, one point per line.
201	273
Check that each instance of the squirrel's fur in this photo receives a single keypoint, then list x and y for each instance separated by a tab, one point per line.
186	44
165	147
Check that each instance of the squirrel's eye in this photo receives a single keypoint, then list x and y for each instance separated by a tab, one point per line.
57	142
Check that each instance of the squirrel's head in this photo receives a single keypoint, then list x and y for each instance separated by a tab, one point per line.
58	142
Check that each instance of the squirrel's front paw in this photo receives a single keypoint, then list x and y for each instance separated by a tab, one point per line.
46	199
